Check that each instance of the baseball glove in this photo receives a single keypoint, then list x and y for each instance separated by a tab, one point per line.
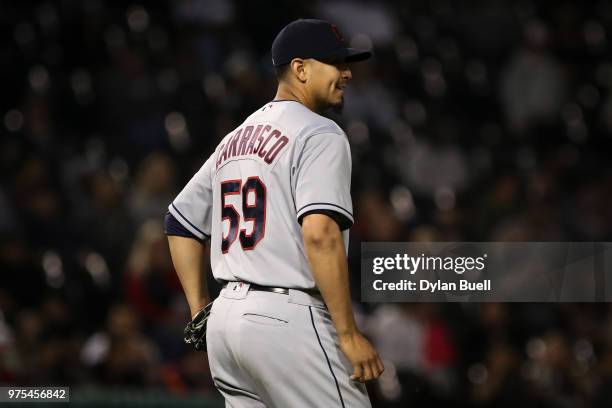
195	331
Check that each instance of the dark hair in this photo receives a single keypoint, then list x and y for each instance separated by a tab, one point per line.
281	71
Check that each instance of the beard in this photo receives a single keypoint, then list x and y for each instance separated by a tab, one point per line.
337	108
334	112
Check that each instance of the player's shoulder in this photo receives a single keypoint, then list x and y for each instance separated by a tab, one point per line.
300	120
293	120
325	132
315	124
323	126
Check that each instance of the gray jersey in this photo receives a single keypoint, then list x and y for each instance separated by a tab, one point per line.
281	163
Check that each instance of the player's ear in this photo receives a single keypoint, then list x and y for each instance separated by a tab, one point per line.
298	68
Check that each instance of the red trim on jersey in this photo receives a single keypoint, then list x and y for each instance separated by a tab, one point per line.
219	156
261	153
233	143
248	131
260	139
251	145
229	245
254	219
281	142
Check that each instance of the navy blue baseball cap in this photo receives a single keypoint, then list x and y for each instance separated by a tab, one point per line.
310	38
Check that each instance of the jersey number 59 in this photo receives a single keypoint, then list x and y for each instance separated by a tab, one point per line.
252	210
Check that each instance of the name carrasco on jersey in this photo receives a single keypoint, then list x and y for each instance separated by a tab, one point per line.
253	140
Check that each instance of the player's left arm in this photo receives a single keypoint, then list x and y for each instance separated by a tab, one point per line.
327	257
324	208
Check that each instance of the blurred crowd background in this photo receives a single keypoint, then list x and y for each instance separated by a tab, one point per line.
476	121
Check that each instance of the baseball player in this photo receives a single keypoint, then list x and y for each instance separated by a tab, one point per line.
274	202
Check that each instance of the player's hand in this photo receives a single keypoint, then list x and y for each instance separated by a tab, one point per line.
362	356
195	331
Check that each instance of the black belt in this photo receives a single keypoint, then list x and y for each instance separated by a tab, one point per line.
282	291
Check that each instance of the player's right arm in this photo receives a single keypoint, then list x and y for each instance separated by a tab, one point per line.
188	224
188	257
326	254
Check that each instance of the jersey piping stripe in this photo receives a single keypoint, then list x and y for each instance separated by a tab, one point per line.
189	222
285	100
234	159
326	358
291	189
333	205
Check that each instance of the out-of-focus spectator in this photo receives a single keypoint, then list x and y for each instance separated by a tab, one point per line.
102	221
533	84
152	288
122	354
498	381
417	346
155	187
151	285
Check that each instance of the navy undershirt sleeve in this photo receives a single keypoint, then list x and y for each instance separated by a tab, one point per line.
173	227
342	221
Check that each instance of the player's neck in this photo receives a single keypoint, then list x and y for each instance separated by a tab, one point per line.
286	92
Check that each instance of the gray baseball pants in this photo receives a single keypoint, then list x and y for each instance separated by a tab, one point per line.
278	350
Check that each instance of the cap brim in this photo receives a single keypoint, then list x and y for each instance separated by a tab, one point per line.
346	55
355	55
